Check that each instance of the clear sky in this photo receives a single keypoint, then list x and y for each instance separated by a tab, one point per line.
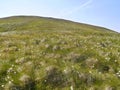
104	13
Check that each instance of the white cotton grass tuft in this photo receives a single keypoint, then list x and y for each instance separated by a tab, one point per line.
71	88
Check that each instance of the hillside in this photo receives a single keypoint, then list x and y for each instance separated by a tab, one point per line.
42	23
38	53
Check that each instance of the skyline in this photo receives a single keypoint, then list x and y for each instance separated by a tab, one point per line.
102	13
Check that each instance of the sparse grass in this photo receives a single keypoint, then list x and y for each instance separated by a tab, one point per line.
50	54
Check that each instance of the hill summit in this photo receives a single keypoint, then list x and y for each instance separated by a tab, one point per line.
44	23
38	53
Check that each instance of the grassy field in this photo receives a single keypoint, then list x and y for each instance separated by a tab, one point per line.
52	54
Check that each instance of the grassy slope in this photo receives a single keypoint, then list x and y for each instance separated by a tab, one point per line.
51	54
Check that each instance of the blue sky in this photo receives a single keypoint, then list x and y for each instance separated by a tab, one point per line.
104	13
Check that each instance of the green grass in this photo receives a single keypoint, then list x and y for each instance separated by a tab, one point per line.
52	54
